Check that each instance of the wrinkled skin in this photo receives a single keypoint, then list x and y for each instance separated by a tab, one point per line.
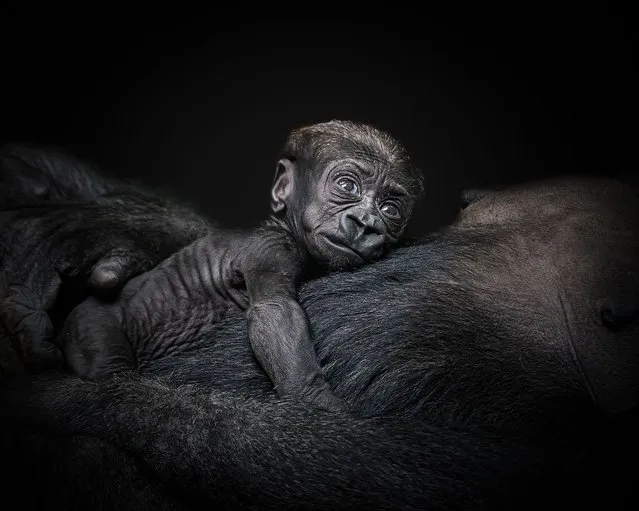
342	196
345	191
492	366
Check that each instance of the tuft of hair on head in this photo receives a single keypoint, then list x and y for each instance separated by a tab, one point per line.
319	142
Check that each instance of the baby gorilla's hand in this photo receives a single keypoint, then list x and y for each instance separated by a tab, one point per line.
281	340
320	394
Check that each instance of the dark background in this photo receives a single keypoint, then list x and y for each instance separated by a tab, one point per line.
200	103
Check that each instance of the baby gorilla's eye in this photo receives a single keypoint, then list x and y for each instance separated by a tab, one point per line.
390	210
348	185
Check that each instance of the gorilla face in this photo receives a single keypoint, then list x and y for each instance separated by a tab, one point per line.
353	212
346	191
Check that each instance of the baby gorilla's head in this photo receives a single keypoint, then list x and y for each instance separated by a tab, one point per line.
346	191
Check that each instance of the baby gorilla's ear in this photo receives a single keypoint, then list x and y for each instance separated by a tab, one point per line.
282	185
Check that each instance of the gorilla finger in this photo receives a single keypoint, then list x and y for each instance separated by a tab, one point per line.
111	273
330	402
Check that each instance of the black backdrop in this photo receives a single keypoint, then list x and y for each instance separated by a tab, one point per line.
200	103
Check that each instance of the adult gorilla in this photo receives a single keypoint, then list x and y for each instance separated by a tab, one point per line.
493	365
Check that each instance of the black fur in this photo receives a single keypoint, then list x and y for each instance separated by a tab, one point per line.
88	232
477	364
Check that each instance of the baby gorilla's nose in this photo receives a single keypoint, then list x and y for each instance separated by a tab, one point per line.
365	233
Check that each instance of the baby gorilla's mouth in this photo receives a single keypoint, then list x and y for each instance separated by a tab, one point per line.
342	246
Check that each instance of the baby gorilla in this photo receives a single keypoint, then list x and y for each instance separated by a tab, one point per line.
342	195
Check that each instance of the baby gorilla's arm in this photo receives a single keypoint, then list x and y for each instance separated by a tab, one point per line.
278	328
280	338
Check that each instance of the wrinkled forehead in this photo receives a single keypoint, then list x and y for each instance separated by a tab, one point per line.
367	148
370	155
